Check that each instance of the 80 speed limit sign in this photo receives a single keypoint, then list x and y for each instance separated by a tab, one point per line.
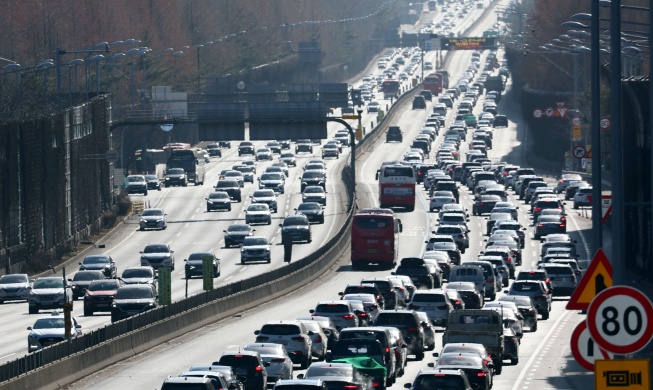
619	320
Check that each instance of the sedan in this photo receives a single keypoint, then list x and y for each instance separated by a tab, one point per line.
484	204
153	219
195	264
338	376
312	210
218	200
153	182
288	158
255	248
102	263
549	224
14	287
99	295
236	233
277	361
440	198
50	330
314	194
258	213
263	154
373	106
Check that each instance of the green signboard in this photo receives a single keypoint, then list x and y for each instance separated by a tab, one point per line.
165	284
468	43
207	273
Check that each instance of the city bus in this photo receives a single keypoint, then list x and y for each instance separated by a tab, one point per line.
397	186
375	238
433	83
146	161
445	77
390	89
191	161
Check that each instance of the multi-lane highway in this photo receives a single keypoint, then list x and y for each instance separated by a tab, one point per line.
544	355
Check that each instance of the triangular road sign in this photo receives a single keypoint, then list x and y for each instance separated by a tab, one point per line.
562	111
597	278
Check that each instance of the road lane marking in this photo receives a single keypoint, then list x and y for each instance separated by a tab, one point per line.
539	347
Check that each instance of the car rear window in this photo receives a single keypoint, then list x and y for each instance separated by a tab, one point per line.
332	308
530	276
280	329
559	270
391	319
238	360
526	287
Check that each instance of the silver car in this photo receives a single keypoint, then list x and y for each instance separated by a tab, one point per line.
14	287
50	330
255	248
435	303
319	339
293	335
276	355
49	293
153	219
562	278
340	312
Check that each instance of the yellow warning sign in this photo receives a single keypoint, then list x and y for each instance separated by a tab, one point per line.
597	278
633	374
576	132
588	149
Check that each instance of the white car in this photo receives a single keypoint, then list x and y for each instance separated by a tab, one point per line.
263	154
50	330
258	213
293	335
318	338
288	158
440	198
267	197
14	287
153	219
272	180
255	248
277	356
49	292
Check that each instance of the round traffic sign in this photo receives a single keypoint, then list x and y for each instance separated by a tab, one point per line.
537	113
604	124
584	348
576	121
549	111
111	156
579	151
618	320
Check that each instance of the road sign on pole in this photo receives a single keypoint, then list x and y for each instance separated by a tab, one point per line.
633	374
619	319
597	278
537	113
604	124
578	151
606	207
576	132
585	349
549	111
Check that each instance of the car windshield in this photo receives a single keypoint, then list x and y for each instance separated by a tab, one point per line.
252	241
309	206
391	319
314	190
258	207
104	285
271	176
11	279
549	218
329	370
526	287
48	283
137	273
49	323
238	228
152	213
312	175
201	256
135	179
134	292
227	184
151	177
93	275
175	171
219	195
156	249
295	221
264	350
263	194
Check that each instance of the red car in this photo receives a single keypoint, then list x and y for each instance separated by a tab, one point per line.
99	295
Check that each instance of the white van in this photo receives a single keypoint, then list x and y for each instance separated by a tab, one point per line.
469	273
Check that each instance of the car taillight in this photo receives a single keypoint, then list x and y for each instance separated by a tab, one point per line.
457	302
387	350
411	329
259	369
318	339
481	374
537	209
378	298
298	338
510	341
562	225
376	383
348	316
413	307
279	360
350	386
485	361
362	315
540	225
509	259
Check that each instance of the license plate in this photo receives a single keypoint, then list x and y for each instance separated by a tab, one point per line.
133	312
241	371
102	305
371	251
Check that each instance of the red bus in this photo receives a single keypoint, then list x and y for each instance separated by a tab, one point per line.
375	238
445	78
397	186
390	89
433	83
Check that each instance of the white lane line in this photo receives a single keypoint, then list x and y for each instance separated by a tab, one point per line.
243	269
2	357
537	350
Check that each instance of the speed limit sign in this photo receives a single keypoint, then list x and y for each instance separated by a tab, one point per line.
619	318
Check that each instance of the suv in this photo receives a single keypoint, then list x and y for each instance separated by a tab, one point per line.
367	288
187	383
296	228
214	150
133	299
293	335
247	365
231	187
435	303
136	184
581	197
49	293
246	147
538	293
383	336
410	325
313	178
394	134
304	146
390	295
419	102
563	278
158	255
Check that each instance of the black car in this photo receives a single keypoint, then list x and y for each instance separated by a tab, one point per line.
365	288
236	233
390	295
313	178
218	200
304	147
419	102
246	147
312	210
102	263
296	228
549	224
394	134
410	325
427	95
448	185
224	144
176	177
82	280
500	121
231	187
526	309
248	367
153	182
195	264
214	150
133	299
484	204
418	271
